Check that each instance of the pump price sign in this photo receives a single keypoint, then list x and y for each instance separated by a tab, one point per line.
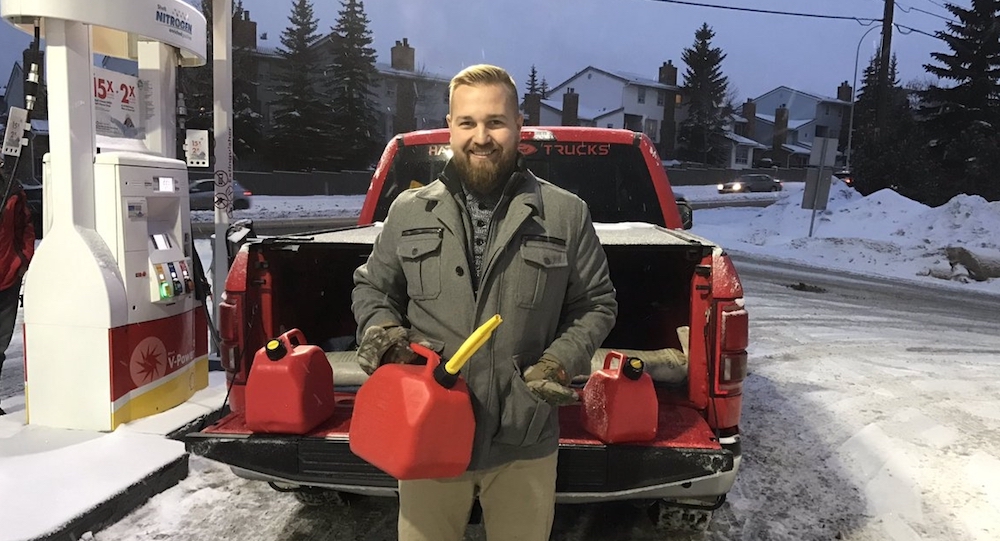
116	105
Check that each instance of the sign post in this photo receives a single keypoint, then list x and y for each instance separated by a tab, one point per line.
821	160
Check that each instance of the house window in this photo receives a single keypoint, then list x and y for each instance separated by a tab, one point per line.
642	94
660	97
611	125
390	88
651	127
742	155
677	99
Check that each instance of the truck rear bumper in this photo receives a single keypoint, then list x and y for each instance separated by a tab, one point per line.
587	473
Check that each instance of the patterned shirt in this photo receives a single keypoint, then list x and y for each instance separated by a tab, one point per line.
481	210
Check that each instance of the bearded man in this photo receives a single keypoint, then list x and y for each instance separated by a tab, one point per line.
489	237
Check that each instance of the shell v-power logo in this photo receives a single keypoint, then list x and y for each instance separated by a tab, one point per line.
148	362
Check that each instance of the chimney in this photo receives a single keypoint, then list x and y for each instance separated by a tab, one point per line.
244	33
532	109
571	108
668	74
403	56
749	112
845	92
780	128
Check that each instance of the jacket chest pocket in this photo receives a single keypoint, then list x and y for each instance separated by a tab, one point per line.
543	271
419	251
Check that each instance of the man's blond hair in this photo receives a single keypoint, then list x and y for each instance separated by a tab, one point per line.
484	74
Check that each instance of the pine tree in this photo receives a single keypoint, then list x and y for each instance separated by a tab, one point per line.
197	86
964	117
299	139
893	157
543	89
701	135
532	83
356	139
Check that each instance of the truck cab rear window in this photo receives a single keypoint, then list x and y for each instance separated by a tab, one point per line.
614	181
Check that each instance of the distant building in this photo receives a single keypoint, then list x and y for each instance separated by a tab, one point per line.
406	98
613	99
786	120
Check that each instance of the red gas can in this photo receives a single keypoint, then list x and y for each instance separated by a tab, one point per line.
410	425
619	401
290	386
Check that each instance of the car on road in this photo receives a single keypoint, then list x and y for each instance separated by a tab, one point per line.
845	176
202	194
757	182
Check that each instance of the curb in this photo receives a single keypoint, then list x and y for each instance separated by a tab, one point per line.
113	510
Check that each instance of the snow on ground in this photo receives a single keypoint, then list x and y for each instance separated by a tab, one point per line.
883	234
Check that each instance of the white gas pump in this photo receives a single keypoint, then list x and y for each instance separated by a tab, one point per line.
112	330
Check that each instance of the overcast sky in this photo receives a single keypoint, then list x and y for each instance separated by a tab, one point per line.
562	37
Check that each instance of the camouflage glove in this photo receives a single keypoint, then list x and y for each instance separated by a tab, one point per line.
383	345
548	380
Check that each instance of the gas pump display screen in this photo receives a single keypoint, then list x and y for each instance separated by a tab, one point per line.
164	184
161	241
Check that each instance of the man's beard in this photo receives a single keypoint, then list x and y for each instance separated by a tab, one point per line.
486	177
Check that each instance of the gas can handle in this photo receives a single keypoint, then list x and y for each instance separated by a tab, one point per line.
433	359
295	337
611	357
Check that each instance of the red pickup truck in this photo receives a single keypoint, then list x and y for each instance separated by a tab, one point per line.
667	281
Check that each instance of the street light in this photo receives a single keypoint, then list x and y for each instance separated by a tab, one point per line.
854	92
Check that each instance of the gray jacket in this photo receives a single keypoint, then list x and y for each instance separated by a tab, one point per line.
544	272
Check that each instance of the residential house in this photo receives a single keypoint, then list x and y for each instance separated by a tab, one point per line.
787	120
613	99
406	98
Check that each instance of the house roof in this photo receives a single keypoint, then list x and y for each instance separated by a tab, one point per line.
793	124
817	97
797	149
625	77
581	112
387	69
740	140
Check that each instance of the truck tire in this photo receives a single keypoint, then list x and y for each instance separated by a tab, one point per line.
676	516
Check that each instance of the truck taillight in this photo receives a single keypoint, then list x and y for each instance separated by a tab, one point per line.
733	330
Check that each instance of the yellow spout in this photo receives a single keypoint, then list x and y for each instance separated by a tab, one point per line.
472	344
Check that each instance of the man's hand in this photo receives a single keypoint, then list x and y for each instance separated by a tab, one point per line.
548	380
384	345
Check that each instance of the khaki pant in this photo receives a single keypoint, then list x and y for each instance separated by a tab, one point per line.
518	501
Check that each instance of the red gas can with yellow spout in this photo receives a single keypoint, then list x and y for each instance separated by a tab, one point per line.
416	422
619	401
290	386
410	426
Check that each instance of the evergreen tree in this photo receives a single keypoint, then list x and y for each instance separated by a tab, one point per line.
543	89
299	139
356	140
701	135
532	83
197	86
894	157
964	118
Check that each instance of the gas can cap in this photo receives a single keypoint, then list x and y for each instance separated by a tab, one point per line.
275	349
632	369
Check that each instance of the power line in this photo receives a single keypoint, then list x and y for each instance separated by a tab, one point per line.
942	17
903	29
771	12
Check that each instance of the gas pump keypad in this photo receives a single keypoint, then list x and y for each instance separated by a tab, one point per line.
172	281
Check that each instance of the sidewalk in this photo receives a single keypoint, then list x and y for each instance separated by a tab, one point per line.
59	484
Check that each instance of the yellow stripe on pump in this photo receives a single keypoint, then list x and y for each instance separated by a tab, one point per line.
472	344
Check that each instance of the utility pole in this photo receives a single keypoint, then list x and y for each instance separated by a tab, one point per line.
883	65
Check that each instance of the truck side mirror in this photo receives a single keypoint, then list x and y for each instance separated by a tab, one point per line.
686	212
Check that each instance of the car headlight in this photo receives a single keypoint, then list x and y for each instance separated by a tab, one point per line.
737	185
722	186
